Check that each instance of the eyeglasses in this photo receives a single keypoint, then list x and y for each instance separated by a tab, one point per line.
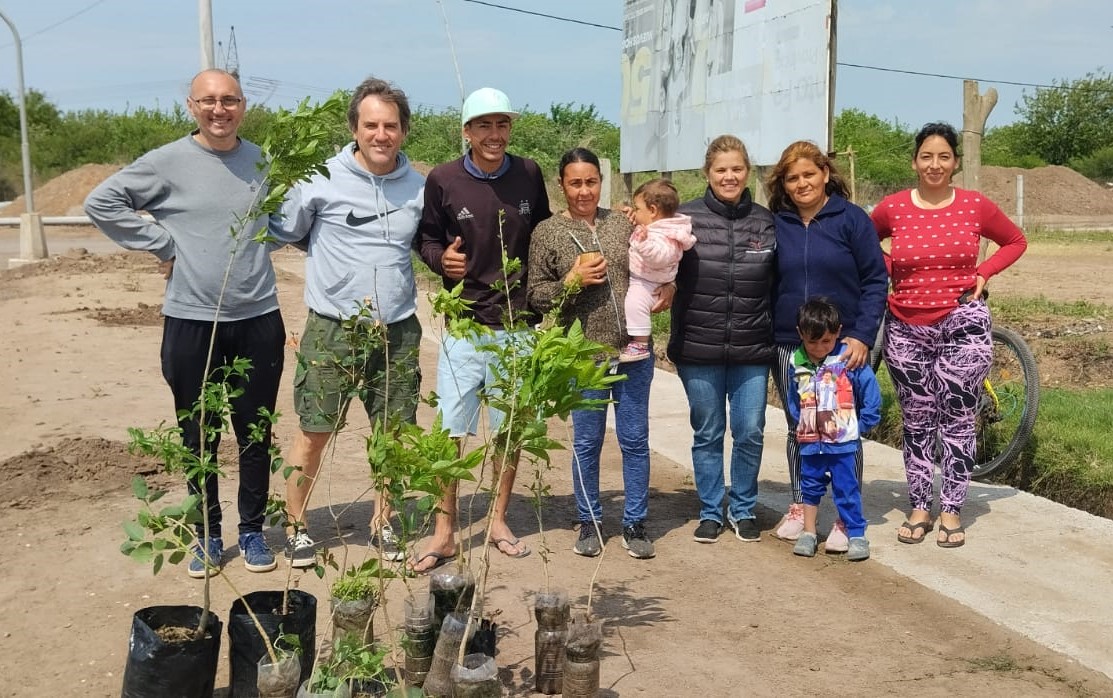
209	103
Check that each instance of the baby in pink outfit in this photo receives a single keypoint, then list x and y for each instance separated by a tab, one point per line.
656	246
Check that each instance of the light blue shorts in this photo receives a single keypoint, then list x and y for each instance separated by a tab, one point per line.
462	372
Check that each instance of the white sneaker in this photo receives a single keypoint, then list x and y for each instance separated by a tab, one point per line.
837	541
792	525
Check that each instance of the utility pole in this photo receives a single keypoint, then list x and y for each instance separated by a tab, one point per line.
205	14
32	243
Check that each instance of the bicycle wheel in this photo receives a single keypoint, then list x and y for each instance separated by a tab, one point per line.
1007	407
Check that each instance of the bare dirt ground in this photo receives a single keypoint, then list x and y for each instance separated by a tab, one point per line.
81	345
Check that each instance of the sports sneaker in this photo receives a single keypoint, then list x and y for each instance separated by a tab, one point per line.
634	351
215	550
837	542
858	549
300	550
806	544
792	525
385	544
636	542
257	557
746	530
708	531
588	545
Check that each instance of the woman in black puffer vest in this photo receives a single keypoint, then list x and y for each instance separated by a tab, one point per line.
722	336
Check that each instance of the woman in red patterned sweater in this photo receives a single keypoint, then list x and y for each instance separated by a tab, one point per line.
938	345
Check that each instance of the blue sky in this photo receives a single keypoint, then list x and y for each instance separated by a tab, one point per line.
130	53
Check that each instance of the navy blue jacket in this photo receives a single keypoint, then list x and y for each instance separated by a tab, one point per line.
838	256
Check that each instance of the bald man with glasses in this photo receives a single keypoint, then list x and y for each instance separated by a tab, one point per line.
197	189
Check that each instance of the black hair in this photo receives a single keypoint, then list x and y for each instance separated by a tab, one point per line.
937	128
374	87
817	317
578	155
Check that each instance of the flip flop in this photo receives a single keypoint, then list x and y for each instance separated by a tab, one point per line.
948	532
523	551
925	526
438	560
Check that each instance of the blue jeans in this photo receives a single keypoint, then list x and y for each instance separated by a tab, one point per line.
631	416
710	387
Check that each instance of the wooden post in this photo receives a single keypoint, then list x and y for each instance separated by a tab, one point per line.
853	176
975	111
1020	201
627	187
759	194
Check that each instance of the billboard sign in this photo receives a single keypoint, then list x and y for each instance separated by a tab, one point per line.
695	69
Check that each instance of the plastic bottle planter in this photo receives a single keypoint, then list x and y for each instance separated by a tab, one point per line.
452	589
247	648
420	638
477	677
551	610
581	659
352	618
439	682
341	691
278	680
171	668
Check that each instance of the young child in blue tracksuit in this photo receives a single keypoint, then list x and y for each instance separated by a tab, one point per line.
833	406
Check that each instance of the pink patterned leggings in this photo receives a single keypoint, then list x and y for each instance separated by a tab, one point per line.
938	371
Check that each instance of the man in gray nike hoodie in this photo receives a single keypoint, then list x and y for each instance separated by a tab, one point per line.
197	189
359	224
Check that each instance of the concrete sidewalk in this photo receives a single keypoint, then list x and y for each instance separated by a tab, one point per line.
1036	567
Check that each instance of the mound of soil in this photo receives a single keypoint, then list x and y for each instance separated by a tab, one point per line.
73	468
65	194
79	261
1048	191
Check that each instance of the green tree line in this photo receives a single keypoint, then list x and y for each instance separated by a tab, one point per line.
1069	123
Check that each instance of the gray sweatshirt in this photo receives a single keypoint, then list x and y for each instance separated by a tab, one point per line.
361	228
196	197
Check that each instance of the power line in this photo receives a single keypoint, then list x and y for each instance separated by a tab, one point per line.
57	24
840	63
542	14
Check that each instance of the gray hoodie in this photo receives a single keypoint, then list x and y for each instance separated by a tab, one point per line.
361	228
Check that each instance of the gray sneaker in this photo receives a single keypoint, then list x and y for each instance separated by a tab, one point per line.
385	543
858	549
588	545
636	542
806	545
300	550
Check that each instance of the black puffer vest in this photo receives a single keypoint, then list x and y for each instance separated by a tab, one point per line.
723	311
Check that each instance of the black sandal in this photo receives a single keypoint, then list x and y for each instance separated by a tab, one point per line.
924	526
948	532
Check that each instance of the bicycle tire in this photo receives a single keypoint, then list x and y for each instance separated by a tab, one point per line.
1003	430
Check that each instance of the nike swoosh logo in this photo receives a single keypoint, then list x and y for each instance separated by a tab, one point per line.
356	221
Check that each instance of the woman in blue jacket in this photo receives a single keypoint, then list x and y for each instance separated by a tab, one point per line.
826	246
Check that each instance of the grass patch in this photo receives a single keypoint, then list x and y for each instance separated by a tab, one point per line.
1019	309
997	662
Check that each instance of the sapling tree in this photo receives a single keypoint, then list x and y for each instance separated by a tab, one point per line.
295	148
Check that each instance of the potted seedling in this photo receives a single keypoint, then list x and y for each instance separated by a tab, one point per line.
280	679
174	649
533	374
